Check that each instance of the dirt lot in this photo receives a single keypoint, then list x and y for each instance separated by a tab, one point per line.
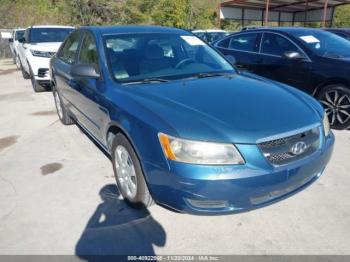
57	196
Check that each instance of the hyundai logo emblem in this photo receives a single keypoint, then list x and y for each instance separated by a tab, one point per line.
298	148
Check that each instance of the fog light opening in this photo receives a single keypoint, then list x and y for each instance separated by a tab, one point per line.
208	204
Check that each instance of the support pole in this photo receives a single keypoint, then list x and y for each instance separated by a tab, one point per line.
324	13
267	12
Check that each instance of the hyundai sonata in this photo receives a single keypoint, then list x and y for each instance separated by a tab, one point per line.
182	126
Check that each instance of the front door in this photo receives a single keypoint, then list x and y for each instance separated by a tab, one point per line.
275	65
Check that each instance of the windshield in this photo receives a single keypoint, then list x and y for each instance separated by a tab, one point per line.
41	35
19	34
325	44
137	57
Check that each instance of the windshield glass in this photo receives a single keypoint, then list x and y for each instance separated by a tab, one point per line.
19	34
325	44
137	57
41	35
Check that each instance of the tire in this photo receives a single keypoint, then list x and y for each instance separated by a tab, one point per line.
336	101
17	62
61	109
140	197
24	73
36	86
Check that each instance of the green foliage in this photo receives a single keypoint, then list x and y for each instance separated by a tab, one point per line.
191	14
342	16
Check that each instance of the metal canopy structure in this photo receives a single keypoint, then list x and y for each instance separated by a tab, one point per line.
280	10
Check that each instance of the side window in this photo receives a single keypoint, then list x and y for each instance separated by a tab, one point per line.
224	43
69	48
88	52
274	44
245	42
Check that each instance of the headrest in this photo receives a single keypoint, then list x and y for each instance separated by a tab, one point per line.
154	51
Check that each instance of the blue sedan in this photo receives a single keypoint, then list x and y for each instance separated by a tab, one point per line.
184	129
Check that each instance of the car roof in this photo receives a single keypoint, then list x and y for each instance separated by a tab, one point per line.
51	26
209	31
110	30
283	29
339	29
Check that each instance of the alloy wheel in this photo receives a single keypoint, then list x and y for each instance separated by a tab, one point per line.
125	172
337	106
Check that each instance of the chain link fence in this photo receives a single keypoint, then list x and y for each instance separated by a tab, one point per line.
5	51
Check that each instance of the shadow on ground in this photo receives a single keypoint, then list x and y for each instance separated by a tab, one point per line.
117	229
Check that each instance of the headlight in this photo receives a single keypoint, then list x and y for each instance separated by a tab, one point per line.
326	126
198	152
40	53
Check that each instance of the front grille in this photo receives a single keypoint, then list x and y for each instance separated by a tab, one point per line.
42	72
52	54
280	151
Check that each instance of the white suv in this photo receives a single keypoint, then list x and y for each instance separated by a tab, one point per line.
17	34
37	47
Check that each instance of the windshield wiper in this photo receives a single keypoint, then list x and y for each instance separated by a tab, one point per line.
213	74
147	81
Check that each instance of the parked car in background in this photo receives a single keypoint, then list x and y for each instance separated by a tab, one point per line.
210	35
182	126
313	60
343	32
39	44
16	35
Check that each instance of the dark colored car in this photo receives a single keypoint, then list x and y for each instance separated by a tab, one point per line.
210	35
343	32
182	126
313	60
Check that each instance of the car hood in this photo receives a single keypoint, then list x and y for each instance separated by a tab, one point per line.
239	109
46	47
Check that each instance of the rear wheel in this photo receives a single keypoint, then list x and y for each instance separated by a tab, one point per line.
336	101
128	173
17	62
24	73
61	110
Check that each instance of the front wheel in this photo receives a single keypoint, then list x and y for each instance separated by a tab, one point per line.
128	173
36	86
336	101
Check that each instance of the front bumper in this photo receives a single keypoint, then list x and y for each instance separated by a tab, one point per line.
40	68
199	189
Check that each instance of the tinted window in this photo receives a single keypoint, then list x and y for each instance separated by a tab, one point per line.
88	51
69	49
245	42
136	57
41	35
274	44
324	43
224	43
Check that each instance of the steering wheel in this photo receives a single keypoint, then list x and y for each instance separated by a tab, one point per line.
184	62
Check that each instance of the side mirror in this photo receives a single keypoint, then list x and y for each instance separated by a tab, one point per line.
85	71
293	55
22	40
10	40
231	59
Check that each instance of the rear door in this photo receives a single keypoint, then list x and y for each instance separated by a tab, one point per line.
244	47
274	65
